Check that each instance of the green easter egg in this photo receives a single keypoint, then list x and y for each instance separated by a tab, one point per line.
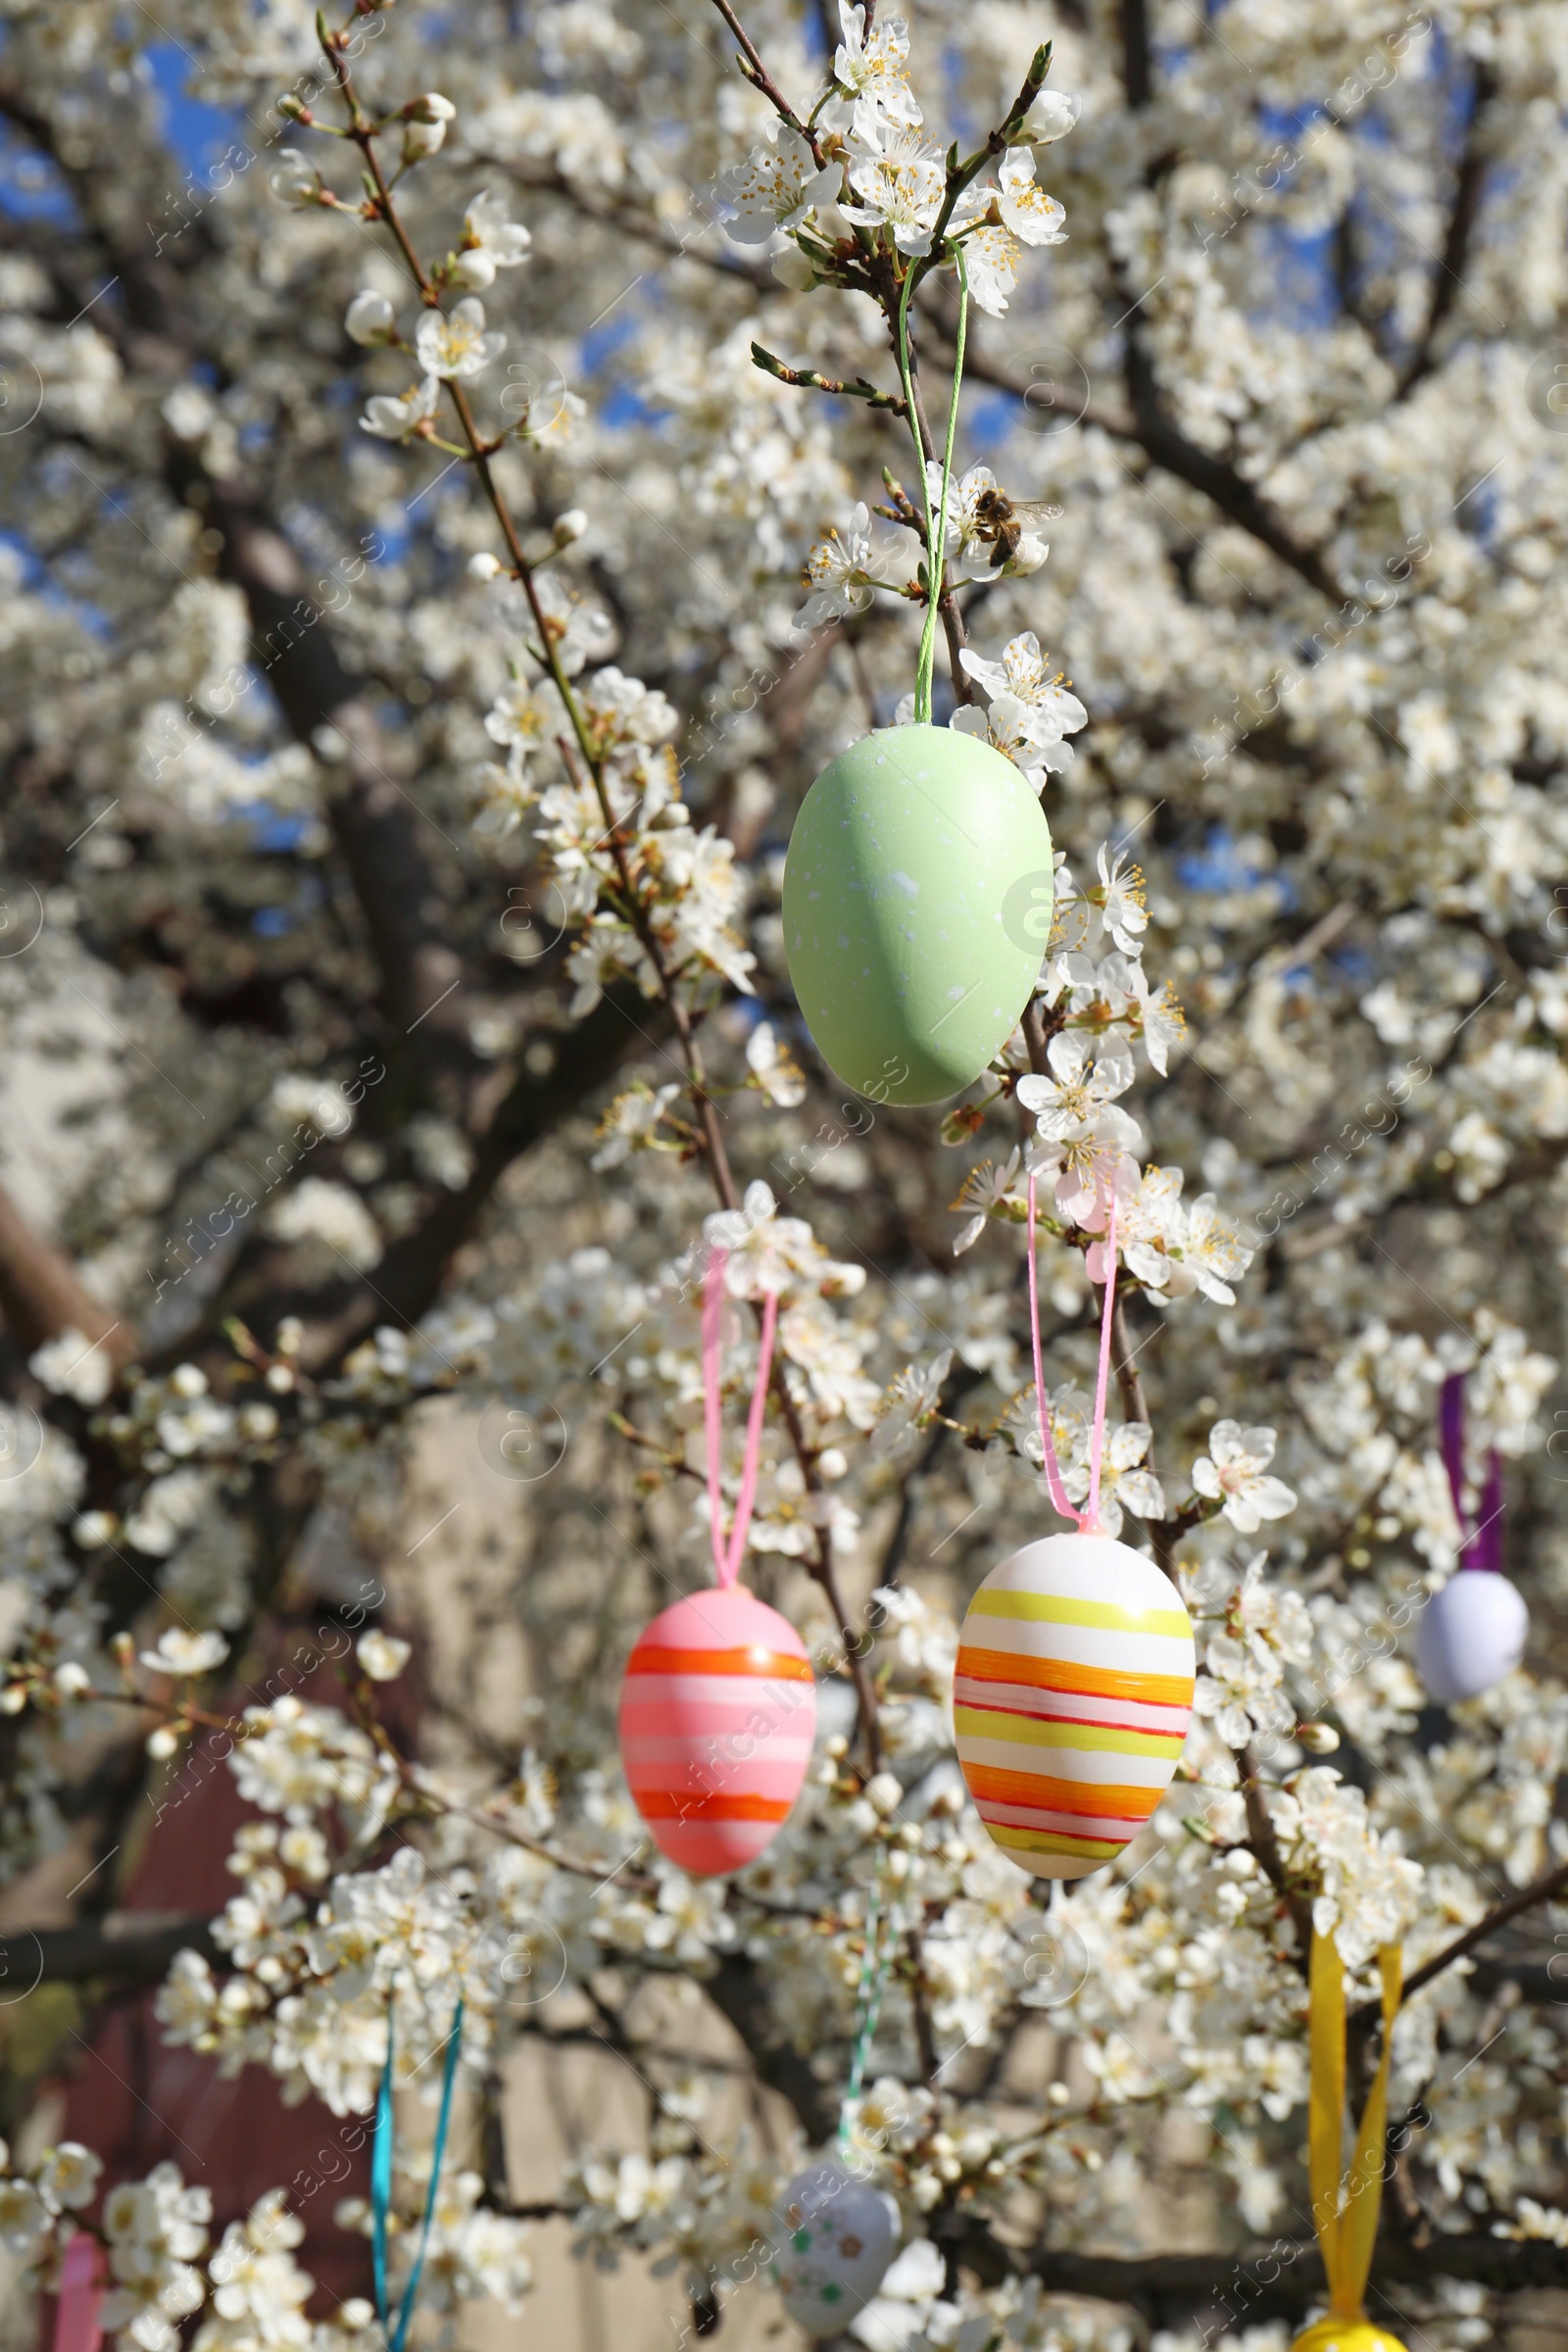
917	897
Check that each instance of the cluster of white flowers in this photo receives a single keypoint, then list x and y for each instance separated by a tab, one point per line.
156	2232
628	843
1029	712
1258	1628
1349	826
34	2204
153	2235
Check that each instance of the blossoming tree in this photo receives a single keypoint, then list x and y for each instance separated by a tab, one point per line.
409	690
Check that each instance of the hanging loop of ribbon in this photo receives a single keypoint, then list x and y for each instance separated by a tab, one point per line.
381	2156
1344	2212
727	1557
1481	1546
937	526
881	1934
81	2295
1087	1520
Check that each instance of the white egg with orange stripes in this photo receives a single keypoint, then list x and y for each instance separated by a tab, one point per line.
1071	1697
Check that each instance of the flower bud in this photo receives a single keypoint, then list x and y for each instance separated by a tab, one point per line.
368	318
569	526
72	1679
430	107
1239	1863
792	268
382	1656
1318	1738
421	139
473	267
1053	115
885	1790
162	1744
295	182
484	566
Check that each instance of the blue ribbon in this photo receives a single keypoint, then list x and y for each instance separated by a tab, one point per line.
381	2180
381	2176
449	2072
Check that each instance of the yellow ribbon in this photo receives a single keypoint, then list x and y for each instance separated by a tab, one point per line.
1345	2213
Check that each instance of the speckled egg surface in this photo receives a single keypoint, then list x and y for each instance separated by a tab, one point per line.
837	2237
917	902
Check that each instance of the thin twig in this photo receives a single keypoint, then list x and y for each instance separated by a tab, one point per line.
362	132
1540	1891
808	380
755	72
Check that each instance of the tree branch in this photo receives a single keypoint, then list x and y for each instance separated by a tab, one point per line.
1265	1846
126	1947
1540	1891
739	1991
1137	60
41	1295
1168	448
1166	445
758	75
404	1284
1469	182
1280	2281
809	381
376	822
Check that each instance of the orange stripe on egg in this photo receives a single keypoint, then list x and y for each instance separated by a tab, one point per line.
776	1664
1101	1801
1066	1674
696	1804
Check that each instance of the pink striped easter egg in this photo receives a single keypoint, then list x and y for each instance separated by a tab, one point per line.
716	1715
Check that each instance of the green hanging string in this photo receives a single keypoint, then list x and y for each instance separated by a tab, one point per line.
868	2001
936	534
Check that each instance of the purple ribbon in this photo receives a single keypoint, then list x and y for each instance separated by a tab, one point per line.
1483	1545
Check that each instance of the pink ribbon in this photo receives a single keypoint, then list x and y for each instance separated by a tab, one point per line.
1086	1521
82	2294
727	1559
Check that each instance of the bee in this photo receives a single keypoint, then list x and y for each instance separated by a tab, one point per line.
1002	522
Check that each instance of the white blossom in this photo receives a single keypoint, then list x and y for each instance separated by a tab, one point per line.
396	416
777	187
180	1652
455	345
491	241
1234	1473
899	180
73	1365
842	572
369	317
871	71
382	1656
